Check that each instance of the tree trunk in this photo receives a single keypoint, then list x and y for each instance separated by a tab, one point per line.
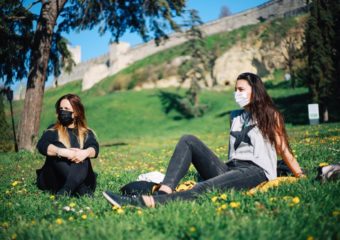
196	102
213	78
30	118
325	114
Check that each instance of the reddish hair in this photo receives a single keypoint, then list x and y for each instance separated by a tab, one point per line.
79	120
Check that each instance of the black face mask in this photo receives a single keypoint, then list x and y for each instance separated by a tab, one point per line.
65	117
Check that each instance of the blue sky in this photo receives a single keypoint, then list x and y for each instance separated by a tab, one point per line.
93	45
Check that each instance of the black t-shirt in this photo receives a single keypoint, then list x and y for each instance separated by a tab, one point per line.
50	136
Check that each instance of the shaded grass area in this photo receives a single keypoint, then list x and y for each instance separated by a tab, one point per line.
294	108
295	211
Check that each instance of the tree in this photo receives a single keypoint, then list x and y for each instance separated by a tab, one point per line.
16	31
292	51
5	138
195	67
3	124
214	54
116	16
321	52
336	44
224	12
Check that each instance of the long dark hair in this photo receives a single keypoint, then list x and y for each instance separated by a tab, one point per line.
269	120
79	120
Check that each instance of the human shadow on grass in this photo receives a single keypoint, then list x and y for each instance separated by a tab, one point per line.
113	144
182	105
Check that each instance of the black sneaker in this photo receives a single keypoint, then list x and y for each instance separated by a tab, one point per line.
119	200
63	192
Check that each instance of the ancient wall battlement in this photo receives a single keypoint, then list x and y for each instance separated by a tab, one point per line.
121	55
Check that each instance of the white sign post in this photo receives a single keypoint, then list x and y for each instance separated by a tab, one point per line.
313	113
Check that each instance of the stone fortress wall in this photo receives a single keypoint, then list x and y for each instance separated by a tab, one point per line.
122	55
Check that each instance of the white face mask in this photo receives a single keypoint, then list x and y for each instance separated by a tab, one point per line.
241	98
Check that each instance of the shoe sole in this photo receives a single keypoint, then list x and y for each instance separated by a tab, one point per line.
110	200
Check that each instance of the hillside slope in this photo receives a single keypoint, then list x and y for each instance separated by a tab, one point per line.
128	115
257	48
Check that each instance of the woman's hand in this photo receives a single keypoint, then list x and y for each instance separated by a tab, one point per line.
73	154
79	155
301	175
283	149
66	153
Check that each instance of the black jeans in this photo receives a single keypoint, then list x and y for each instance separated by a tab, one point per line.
65	177
73	173
236	174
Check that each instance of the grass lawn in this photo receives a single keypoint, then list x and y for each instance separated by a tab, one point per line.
137	137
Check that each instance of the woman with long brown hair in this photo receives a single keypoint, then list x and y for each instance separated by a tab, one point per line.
257	134
68	146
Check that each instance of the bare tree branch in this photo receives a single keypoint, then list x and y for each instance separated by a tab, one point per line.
32	4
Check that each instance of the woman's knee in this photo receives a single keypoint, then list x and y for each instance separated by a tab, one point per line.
188	138
61	167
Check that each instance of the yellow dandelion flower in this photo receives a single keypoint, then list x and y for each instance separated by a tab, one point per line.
5	225
192	229
139	212
15	183
14	236
59	221
235	204
310	238
296	200
323	164
214	199
72	204
223	196
336	213
287	198
84	216
120	211
219	210
71	219
115	208
224	206
52	197
33	222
